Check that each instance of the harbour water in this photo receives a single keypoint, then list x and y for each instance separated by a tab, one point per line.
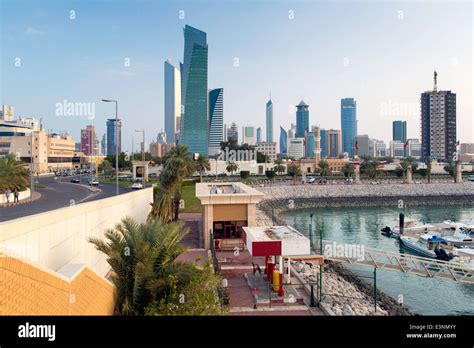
425	296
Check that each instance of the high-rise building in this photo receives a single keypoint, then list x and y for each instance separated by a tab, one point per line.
259	135
161	138
377	148
302	119
348	124
362	145
269	121
399	131
88	140
249	135
233	133
216	120
283	141
103	145
438	123
324	146
194	94
333	143
292	131
310	144
172	101
296	148
114	136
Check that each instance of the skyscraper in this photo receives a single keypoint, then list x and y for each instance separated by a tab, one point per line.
323	143
172	101
399	131
333	143
259	135
310	144
248	135
302	119
103	145
348	124
194	94
216	120
87	140
269	121
438	123
112	137
362	142
283	141
233	133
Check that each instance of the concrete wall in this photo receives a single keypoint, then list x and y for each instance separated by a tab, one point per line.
23	195
59	237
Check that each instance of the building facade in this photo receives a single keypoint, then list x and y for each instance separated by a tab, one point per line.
194	93
323	143
172	101
302	119
348	124
362	145
334	143
399	131
249	135
114	135
283	141
377	148
216	120
233	133
296	147
88	138
397	149
310	144
259	135
268	149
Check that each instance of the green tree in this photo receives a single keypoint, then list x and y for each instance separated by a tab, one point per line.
270	174
122	160
348	170
138	255
278	167
372	169
262	158
231	167
323	167
244	174
106	166
13	174
202	164
409	161
294	171
450	168
423	172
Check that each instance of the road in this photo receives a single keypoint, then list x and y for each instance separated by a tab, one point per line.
59	193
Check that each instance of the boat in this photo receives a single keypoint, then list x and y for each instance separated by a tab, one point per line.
464	257
426	245
412	226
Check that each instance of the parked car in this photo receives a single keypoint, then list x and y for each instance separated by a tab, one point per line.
310	179
75	181
93	182
137	185
470	178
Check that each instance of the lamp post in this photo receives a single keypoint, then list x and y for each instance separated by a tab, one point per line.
116	141
143	154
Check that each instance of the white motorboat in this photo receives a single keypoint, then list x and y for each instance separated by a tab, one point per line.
464	257
426	244
412	226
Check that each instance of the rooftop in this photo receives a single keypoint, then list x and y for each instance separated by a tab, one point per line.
270	233
225	193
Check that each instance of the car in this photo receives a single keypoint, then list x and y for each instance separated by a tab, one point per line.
93	182
310	179
470	178
75	181
137	185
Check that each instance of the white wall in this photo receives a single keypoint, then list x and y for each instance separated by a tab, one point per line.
59	237
23	195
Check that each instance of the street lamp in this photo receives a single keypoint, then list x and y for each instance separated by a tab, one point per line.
143	154
116	141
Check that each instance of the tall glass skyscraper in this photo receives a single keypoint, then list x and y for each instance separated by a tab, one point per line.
259	135
324	146
194	94
302	119
348	124
172	101
310	145
216	120
269	121
113	137
399	131
283	141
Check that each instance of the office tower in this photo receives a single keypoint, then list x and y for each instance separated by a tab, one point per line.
103	145
292	131
362	145
269	121
302	119
88	140
310	145
114	138
324	146
77	147
296	148
397	149
216	120
399	131
334	143
194	94
172	101
161	138
283	141
348	124
377	148
438	123
259	135
249	135
7	113
233	133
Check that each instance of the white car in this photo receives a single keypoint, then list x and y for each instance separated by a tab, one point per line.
93	182
470	178
137	185
310	179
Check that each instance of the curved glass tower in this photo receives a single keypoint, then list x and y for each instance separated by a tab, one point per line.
216	119
348	124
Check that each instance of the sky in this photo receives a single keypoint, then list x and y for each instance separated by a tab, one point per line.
381	53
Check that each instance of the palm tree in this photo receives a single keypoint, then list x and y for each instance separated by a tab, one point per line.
202	164
348	170
278	167
231	167
139	256
372	169
324	169
13	174
404	165
295	171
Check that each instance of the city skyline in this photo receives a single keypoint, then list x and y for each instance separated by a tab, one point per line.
391	92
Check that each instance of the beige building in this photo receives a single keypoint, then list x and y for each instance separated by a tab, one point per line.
160	150
268	149
226	209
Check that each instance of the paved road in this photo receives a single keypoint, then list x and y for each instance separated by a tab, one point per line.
58	194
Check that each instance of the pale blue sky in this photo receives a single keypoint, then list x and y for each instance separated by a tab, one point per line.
381	53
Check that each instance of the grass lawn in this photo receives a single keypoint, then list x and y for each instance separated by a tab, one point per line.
188	193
